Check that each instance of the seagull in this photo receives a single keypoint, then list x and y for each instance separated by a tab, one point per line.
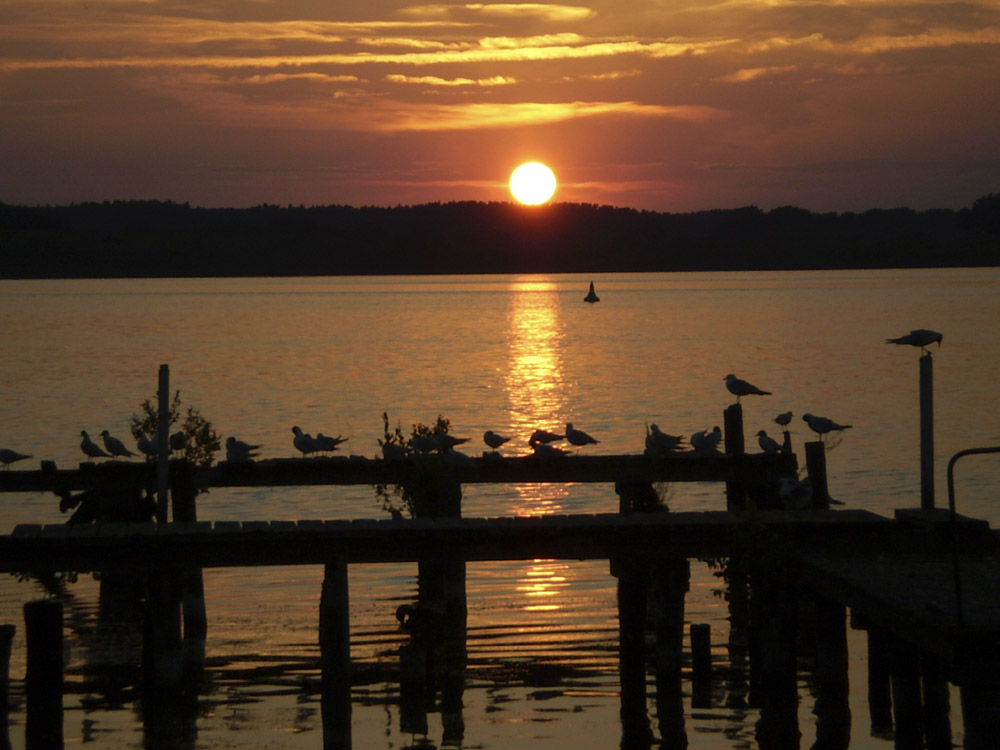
393	451
326	444
177	441
447	442
237	450
424	443
822	425
705	442
92	449
784	419
7	457
114	446
494	440
145	445
659	444
545	452
576	437
544	436
920	337
742	388
303	441
768	444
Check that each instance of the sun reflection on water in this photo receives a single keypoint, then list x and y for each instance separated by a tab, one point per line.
540	582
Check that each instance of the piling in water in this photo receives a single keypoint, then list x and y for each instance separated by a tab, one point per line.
43	681
335	654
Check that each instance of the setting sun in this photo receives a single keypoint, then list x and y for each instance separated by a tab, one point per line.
532	183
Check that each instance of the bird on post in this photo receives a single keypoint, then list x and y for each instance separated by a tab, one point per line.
784	419
327	444
544	436
707	443
494	440
921	337
739	387
821	425
576	437
146	446
114	446
90	448
8	456
659	444
768	444
237	450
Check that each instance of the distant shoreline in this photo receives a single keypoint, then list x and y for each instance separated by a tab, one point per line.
153	239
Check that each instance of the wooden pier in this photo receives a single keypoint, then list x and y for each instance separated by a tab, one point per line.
837	559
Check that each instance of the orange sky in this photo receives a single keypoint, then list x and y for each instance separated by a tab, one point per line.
665	105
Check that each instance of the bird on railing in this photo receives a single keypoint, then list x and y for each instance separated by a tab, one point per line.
707	443
114	446
921	337
547	452
90	448
768	444
8	456
494	440
304	442
740	388
424	443
822	426
579	438
784	419
238	451
146	446
659	444
544	436
327	444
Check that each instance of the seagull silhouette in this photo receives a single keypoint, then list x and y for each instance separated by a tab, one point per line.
544	436
659	443
576	437
8	456
822	426
705	442
237	450
768	444
303	441
494	440
921	337
784	419
114	446
739	387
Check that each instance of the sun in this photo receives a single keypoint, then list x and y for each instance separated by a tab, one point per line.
532	183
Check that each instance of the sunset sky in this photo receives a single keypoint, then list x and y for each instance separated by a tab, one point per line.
675	105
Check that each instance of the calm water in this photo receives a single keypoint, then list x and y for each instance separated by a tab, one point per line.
504	353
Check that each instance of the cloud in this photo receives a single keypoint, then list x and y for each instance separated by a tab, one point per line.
437	81
544	11
751	74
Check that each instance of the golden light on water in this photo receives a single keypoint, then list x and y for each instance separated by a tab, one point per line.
542	582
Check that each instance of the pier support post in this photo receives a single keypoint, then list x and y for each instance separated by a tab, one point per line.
832	707
816	467
879	684
6	640
736	496
937	704
43	681
906	698
926	432
633	583
773	614
701	665
671	582
162	646
183	494
335	654
980	697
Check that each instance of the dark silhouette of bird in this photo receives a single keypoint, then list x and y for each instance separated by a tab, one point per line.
659	443
146	446
114	446
90	448
920	337
579	438
767	443
784	419
740	388
705	442
822	426
493	440
8	456
177	441
327	444
546	452
237	450
424	443
448	442
304	442
544	436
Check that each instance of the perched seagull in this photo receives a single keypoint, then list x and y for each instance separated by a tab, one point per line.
145	445
494	440
768	444
784	419
447	442
237	450
177	441
114	446
705	442
546	452
7	457
393	451
576	437
544	436
660	444
822	425
424	443
92	449
920	337
305	443
326	444
742	388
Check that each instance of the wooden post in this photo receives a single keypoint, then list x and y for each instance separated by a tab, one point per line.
927	432
816	466
980	697
43	681
335	654
183	493
937	704
832	709
671	581
736	498
163	444
879	684
701	665
6	640
906	699
633	583
773	616
162	646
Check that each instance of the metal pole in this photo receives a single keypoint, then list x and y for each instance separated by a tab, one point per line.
926	432
163	447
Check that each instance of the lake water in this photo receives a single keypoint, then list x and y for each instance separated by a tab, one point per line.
510	354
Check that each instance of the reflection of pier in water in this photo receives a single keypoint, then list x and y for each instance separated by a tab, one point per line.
776	559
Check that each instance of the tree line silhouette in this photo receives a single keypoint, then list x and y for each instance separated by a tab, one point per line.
163	238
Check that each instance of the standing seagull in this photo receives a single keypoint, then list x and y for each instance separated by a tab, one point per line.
767	443
145	445
784	420
237	450
659	443
544	436
920	337
576	437
707	443
327	444
742	388
821	425
114	446
90	448
494	440
303	441
7	457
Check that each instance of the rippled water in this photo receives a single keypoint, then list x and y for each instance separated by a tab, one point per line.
504	353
